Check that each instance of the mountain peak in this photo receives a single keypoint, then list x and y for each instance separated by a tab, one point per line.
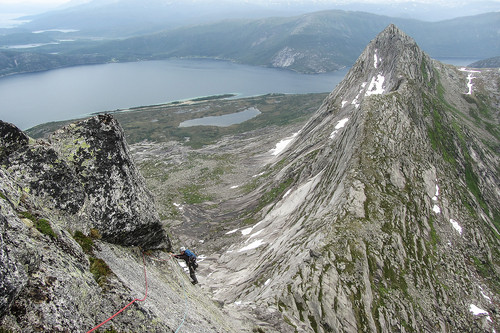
388	62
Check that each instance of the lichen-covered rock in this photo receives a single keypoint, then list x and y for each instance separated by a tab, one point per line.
85	170
13	276
117	200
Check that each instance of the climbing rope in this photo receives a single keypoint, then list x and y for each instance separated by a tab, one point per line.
129	304
146	295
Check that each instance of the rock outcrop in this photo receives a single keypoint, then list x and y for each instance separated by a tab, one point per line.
85	170
384	210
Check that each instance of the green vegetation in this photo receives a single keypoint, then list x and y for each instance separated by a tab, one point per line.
100	270
28	215
433	233
160	123
313	322
209	98
44	227
439	135
486	269
85	242
41	225
447	137
268	197
191	194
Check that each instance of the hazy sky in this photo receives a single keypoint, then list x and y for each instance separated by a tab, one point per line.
34	2
32	6
51	3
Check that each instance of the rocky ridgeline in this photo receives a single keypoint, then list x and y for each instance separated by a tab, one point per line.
387	213
75	217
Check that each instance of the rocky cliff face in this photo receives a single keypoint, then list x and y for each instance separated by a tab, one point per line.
75	217
85	171
384	209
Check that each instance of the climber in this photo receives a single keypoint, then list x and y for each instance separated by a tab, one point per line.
190	259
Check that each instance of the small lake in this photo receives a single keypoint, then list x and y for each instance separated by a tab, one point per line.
224	120
27	100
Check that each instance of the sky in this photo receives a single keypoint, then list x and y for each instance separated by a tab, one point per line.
48	3
34	6
30	7
53	3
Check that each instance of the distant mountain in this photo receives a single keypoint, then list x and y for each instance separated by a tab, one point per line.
12	62
123	18
487	63
311	43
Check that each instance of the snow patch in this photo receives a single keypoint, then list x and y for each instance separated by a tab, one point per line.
485	296
456	226
339	125
469	79
253	235
376	86
235	186
179	206
344	103
252	245
436	208
477	311
280	146
267	282
246	231
183	266
232	231
287	193
355	100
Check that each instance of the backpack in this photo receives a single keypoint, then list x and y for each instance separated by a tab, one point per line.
190	254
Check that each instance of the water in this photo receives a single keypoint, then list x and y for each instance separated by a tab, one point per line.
30	99
224	120
458	61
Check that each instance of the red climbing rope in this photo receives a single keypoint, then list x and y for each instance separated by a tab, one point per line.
126	306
